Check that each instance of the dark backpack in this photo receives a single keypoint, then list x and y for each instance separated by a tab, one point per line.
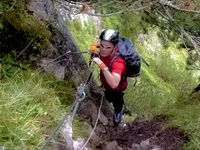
127	51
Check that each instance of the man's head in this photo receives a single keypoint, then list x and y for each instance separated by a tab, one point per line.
109	35
109	39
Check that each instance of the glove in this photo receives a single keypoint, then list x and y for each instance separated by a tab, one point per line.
94	47
101	65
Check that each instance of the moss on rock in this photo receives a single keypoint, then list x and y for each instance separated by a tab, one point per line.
26	31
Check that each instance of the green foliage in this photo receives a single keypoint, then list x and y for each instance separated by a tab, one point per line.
189	21
164	88
28	26
6	5
30	105
111	22
193	60
65	94
169	28
174	71
84	34
79	129
156	94
129	24
9	5
165	82
132	25
186	117
21	27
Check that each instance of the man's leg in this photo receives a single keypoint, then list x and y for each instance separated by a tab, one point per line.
117	100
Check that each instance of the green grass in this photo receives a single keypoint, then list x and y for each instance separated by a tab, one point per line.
30	106
79	129
164	88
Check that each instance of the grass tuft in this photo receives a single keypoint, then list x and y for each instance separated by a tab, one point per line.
30	106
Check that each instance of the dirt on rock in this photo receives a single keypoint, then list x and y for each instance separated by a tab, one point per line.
143	135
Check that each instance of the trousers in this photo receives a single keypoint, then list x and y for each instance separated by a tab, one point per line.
116	98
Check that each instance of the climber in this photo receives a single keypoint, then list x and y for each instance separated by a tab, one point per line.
111	75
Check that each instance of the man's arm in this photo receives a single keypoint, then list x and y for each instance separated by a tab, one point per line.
112	78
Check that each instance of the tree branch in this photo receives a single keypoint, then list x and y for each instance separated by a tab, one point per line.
195	41
191	38
168	3
126	9
133	6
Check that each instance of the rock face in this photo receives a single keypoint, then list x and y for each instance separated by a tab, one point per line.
62	49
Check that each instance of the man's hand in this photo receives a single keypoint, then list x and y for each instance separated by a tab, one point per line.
97	60
101	65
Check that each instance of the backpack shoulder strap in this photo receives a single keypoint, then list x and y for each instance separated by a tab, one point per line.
113	58
123	78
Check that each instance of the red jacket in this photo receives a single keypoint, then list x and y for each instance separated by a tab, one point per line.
118	66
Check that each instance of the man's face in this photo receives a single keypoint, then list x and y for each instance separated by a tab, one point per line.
106	48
